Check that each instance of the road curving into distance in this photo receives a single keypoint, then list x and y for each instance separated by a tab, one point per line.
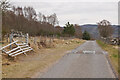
82	65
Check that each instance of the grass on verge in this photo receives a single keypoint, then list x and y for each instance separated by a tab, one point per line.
38	62
112	52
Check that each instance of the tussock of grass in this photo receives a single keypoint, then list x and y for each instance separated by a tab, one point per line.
113	53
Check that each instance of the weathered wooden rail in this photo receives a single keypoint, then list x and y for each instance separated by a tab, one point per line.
20	49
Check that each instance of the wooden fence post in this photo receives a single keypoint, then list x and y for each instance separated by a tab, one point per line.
27	38
11	39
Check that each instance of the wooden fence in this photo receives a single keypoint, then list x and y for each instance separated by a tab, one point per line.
19	49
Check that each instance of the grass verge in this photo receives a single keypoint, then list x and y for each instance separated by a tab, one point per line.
27	66
112	53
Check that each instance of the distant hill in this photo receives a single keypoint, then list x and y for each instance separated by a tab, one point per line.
93	30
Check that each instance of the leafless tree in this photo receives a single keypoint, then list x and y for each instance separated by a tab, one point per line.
105	28
44	18
4	5
78	31
25	19
30	13
40	17
19	11
52	19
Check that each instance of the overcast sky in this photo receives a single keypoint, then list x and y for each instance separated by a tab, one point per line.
75	11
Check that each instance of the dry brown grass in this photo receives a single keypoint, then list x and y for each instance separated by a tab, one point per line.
40	60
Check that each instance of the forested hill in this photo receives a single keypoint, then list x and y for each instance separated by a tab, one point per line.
93	30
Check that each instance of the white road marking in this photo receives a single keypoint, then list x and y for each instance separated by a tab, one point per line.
91	52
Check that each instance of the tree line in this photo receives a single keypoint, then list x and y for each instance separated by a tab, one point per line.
27	20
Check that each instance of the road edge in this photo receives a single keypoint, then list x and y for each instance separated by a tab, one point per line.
111	66
109	62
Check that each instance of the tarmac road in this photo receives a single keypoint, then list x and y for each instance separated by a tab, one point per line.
82	65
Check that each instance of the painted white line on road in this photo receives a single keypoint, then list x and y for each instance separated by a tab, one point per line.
91	52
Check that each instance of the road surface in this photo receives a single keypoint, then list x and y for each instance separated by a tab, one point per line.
82	65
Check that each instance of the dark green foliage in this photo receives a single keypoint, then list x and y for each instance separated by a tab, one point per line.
69	29
86	35
115	55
